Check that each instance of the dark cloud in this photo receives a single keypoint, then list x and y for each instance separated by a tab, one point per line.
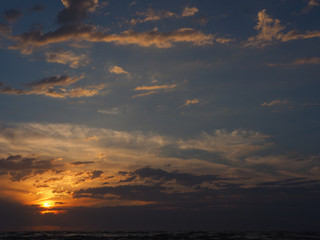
186	179
20	168
76	10
12	15
156	185
54	81
46	87
96	174
37	8
53	179
291	182
128	192
82	163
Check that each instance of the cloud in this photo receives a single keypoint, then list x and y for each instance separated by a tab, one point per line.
55	81
156	87
72	27
270	30
311	4
160	176
295	35
298	61
113	111
46	87
229	145
155	15
153	89
26	42
65	161
37	8
20	168
76	10
96	174
48	139
67	57
12	15
189	11
277	102
118	70
191	102
82	163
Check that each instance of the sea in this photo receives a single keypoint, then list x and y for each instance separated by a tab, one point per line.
58	235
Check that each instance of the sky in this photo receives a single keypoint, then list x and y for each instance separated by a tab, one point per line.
159	115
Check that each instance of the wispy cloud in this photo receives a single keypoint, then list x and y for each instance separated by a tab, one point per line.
157	15
67	57
153	89
113	111
270	30
311	4
154	15
191	102
30	40
298	61
277	102
47	86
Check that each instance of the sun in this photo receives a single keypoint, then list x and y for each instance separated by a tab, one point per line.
47	204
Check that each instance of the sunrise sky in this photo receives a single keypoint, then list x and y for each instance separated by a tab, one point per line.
159	115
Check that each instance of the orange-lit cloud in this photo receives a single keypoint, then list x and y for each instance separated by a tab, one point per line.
46	87
67	57
311	4
156	15
153	89
192	101
118	70
156	87
30	40
189	11
270	30
119	177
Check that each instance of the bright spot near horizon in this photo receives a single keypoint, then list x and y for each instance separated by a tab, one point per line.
47	204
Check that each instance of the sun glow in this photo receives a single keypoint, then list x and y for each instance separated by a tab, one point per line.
47	204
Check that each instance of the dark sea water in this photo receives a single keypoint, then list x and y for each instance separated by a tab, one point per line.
157	235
